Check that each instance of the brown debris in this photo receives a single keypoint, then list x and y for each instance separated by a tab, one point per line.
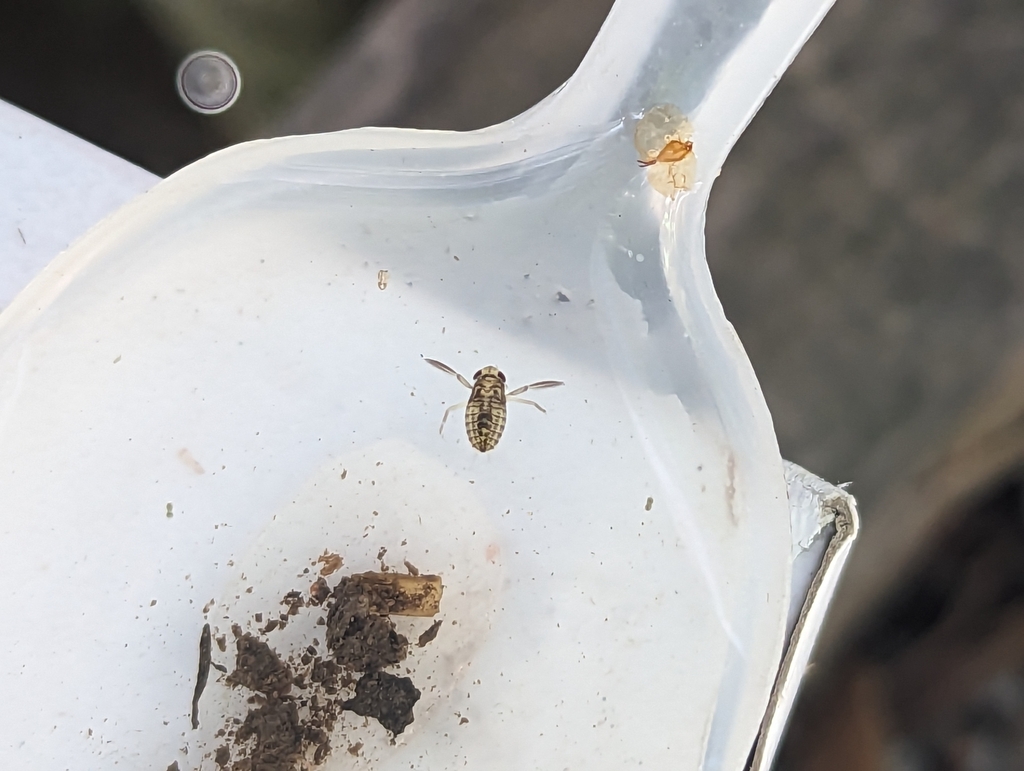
277	733
258	668
429	635
294	602
407	595
386	698
295	704
204	673
360	632
319	592
331	562
222	756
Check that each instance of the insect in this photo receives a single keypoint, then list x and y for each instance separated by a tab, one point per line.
673	152
664	140
485	408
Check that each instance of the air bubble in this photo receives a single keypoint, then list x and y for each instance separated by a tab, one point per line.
209	82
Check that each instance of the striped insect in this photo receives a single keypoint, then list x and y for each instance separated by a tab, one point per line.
486	406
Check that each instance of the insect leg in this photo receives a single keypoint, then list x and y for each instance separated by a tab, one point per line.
445	368
538	384
526	401
448	412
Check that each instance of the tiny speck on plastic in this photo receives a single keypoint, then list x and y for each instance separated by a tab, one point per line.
241	295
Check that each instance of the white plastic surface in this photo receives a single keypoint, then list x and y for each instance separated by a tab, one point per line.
53	186
221	345
825	526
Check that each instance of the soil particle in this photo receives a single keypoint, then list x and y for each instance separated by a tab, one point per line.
406	595
354	749
359	630
386	698
429	635
277	733
259	669
173	767
331	562
222	756
321	753
293	600
319	592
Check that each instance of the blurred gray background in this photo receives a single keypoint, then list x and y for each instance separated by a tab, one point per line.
865	236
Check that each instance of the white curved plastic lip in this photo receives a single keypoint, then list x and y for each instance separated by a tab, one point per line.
116	390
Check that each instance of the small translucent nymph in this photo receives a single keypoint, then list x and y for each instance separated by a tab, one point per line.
664	140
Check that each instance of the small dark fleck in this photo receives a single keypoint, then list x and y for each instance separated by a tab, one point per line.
222	757
429	635
319	592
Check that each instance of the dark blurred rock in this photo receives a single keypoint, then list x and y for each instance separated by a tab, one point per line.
98	70
447	64
867	240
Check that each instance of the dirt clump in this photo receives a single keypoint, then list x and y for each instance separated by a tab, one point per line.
386	698
258	668
295	703
360	631
277	734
